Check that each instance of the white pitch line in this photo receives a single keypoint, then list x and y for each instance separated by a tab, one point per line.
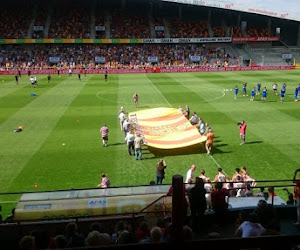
219	166
8	202
211	157
158	90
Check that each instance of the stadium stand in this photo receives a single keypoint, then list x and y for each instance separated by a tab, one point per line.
188	29
39	22
70	22
219	31
236	32
116	56
112	21
15	21
258	32
100	18
158	22
125	24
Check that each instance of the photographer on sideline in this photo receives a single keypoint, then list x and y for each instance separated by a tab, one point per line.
242	126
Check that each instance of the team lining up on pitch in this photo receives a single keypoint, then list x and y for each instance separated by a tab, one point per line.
254	91
257	91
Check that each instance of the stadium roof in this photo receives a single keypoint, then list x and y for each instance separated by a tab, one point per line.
276	8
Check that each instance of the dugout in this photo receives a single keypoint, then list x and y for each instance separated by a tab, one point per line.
92	203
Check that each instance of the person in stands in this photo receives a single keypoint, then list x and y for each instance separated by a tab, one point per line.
197	202
218	199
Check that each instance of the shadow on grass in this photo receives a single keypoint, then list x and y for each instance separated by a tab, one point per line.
150	158
193	149
215	151
147	153
144	107
221	145
254	142
116	144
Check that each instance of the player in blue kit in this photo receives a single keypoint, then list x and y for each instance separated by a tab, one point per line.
284	86
264	95
296	92
282	94
252	94
236	90
258	88
244	89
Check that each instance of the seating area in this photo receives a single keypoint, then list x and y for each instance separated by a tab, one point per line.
69	22
40	21
100	22
62	20
254	32
218	31
158	22
129	25
180	29
237	32
15	21
116	56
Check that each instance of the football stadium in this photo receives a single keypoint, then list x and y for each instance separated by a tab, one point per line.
149	123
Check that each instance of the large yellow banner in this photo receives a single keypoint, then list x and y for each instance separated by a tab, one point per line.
166	128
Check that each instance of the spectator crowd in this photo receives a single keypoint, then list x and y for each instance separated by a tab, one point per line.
71	21
113	56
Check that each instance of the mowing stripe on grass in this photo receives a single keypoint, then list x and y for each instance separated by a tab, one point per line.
14	97
203	91
73	154
10	87
157	90
38	118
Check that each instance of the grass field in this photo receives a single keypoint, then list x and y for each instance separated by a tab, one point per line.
60	147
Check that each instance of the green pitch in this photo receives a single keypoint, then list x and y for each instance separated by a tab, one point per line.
60	146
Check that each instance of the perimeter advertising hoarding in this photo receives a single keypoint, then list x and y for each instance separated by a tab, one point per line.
153	59
195	58
142	41
276	8
188	40
150	70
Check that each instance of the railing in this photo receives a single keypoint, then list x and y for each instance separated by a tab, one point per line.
162	203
